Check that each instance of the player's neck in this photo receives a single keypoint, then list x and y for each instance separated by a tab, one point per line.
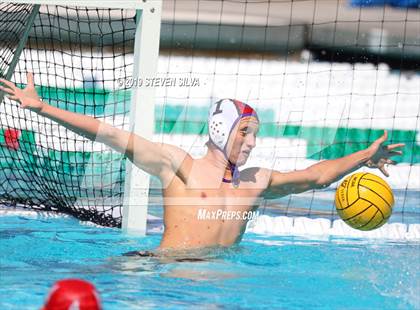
217	159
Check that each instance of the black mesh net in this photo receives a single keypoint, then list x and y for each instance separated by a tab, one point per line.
77	56
326	78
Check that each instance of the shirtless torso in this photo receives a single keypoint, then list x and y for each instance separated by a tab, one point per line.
227	207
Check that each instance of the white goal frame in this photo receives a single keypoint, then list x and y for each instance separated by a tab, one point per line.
136	191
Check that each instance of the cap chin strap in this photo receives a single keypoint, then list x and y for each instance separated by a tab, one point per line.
232	167
235	174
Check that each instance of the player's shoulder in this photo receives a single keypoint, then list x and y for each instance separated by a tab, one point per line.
180	163
177	153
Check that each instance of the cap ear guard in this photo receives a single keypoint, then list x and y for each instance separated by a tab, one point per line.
218	132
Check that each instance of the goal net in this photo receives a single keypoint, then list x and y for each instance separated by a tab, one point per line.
326	77
78	56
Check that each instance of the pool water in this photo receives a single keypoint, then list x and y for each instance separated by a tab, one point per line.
261	272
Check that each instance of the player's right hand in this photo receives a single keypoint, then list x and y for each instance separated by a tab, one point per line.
27	97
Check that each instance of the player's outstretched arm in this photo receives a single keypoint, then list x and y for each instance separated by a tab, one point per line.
156	159
326	172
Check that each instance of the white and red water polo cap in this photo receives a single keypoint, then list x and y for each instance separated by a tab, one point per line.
223	116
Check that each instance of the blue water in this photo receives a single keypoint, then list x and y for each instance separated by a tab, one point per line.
262	272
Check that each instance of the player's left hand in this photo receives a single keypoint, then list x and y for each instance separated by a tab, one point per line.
380	154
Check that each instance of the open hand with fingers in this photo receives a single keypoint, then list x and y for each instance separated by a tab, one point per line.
27	97
380	154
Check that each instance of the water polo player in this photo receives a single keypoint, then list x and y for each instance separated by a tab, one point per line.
207	201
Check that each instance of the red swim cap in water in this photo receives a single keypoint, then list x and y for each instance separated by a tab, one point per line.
11	138
72	294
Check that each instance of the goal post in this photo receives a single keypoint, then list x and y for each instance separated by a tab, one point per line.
54	154
146	52
8	74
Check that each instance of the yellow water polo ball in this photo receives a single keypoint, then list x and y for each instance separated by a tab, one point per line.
364	201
